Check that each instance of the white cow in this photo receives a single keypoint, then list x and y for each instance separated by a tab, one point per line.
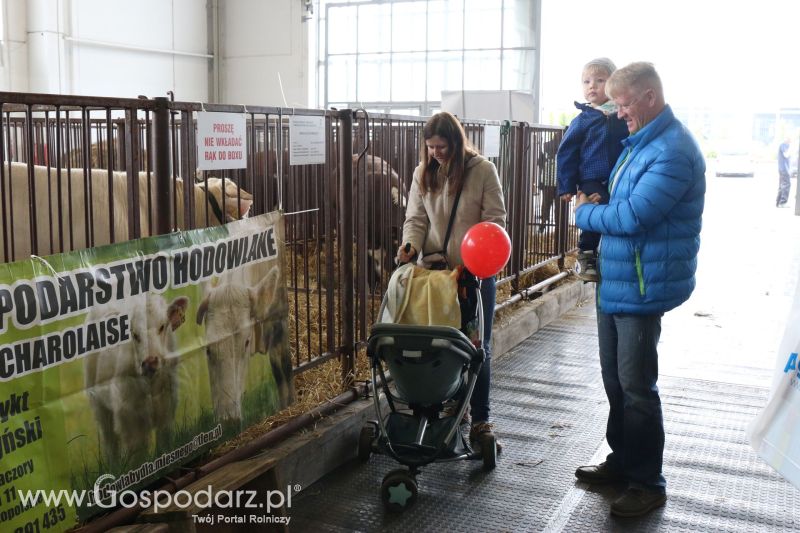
231	312
132	387
69	214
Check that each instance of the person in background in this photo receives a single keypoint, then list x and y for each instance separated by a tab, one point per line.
448	163
784	183
588	151
547	179
650	237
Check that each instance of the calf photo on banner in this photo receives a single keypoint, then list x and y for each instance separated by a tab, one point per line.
122	362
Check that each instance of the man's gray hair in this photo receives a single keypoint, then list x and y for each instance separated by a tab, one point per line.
637	77
601	63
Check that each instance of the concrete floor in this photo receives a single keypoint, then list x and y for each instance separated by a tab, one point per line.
717	357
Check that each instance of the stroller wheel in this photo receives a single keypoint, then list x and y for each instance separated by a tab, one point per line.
398	490
365	439
488	450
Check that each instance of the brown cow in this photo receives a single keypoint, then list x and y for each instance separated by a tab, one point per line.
384	219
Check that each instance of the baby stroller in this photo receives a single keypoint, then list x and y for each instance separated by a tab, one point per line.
433	368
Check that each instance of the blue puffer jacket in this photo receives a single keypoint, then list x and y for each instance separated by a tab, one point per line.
589	148
651	225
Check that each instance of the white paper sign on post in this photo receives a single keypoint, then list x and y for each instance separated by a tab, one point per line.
491	141
221	141
306	140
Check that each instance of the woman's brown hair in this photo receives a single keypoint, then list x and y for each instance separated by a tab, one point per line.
446	126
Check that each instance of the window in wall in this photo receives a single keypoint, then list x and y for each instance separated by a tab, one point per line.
398	55
377	35
342	35
408	26
408	76
482	24
482	69
445	26
342	78
517	31
518	68
444	73
374	78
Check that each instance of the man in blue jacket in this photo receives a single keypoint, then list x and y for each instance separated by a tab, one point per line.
647	260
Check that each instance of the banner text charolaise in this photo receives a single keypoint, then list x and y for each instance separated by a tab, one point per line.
48	299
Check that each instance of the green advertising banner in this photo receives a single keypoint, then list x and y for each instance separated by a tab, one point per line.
122	362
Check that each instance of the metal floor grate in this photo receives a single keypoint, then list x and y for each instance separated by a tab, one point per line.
550	409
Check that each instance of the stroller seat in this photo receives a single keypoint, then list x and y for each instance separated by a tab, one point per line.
427	363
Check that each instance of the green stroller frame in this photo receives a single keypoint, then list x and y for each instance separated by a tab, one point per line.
432	367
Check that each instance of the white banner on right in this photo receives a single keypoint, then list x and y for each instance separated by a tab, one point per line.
775	432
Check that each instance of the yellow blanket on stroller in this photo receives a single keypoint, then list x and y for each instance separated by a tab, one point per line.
423	297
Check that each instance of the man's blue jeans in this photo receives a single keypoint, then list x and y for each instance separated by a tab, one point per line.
629	366
479	404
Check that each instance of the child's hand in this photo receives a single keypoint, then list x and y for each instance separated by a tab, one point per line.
580	200
566	196
595	197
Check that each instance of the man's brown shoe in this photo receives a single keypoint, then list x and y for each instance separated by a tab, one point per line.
637	502
598	474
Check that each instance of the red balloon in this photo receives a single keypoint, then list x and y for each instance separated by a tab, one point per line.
485	249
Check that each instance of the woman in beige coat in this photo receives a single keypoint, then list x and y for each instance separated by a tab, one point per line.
448	162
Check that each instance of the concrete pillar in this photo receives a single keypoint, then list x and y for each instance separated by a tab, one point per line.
47	71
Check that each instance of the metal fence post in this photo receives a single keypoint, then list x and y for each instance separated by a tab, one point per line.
130	139
518	201
32	200
362	184
562	223
161	147
345	239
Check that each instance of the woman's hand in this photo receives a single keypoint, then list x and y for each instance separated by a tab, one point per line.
406	253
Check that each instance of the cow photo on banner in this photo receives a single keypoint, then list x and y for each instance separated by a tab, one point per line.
120	363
